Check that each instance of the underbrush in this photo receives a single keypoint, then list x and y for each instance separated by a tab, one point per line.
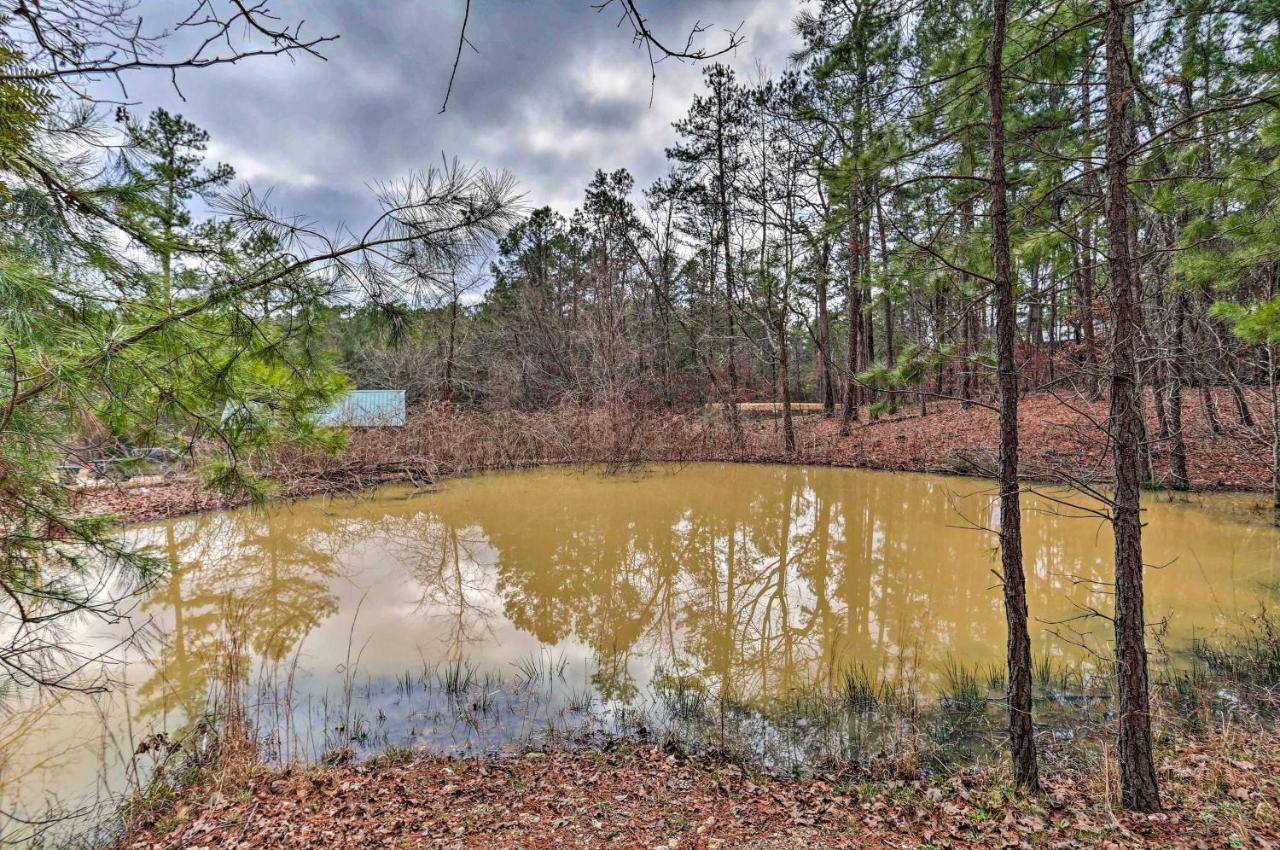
1225	678
218	752
859	725
442	441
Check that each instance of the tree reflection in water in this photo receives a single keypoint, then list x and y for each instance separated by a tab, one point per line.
754	580
267	574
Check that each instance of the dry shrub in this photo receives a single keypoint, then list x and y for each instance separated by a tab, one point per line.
217	752
441	440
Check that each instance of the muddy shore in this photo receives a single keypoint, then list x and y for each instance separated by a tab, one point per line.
1060	440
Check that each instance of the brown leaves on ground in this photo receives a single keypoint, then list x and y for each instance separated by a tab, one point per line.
644	798
141	504
1057	436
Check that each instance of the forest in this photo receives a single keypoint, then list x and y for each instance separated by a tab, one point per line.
1042	237
829	236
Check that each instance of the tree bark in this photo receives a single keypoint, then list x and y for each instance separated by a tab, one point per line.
889	344
1178	478
729	288
968	321
1021	729
1273	377
452	343
788	425
1092	387
1139	789
889	349
854	305
824	333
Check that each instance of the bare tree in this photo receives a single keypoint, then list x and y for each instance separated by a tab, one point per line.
656	49
78	43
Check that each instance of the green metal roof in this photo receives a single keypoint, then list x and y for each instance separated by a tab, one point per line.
366	408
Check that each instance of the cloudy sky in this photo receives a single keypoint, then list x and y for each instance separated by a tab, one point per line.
555	91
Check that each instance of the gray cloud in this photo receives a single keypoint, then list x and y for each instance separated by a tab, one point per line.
556	91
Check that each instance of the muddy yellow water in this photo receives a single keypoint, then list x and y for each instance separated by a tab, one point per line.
351	619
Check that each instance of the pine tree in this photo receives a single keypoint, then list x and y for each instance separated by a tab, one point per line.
165	160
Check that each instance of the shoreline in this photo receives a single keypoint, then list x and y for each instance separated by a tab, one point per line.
444	442
1222	791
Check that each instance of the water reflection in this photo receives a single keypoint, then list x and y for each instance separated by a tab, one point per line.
266	575
350	617
756	580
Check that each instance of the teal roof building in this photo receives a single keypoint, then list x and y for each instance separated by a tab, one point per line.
366	409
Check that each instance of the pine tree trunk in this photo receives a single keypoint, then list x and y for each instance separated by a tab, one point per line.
788	425
889	347
888	302
1179	480
1021	729
1092	386
868	316
854	304
824	334
729	288
1273	374
969	334
1137	767
450	350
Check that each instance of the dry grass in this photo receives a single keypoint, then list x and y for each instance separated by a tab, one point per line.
442	441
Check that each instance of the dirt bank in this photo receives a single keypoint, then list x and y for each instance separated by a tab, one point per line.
1220	795
1057	438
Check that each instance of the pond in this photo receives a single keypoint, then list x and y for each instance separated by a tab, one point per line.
495	611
